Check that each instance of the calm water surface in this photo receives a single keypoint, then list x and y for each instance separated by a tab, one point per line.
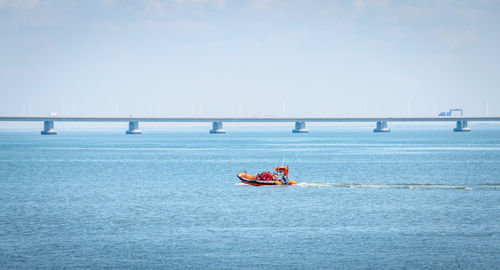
426	199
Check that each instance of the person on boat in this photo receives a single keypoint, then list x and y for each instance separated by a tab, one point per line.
284	179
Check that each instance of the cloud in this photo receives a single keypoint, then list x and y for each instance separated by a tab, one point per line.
185	27
107	3
18	4
181	2
456	39
155	5
470	13
361	4
265	5
159	6
108	26
201	3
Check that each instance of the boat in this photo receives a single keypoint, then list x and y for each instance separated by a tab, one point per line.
279	177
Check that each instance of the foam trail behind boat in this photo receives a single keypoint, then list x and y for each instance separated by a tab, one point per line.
400	186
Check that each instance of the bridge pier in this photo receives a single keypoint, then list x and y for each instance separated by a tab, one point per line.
462	126
300	127
48	128
133	128
382	127
217	128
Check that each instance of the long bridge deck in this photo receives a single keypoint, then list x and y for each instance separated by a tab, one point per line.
300	122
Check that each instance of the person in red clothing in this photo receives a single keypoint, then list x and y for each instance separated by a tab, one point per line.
266	176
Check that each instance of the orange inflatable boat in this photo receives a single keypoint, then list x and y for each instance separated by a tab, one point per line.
279	177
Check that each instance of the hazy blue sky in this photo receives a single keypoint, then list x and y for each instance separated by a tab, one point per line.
307	57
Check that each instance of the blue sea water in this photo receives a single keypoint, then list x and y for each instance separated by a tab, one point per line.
419	199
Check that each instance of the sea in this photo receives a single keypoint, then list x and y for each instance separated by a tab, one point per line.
415	199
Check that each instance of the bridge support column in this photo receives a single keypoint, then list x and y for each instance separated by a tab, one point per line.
48	128
300	127
217	128
462	126
133	128
381	127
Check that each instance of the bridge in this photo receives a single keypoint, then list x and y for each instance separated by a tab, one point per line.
217	128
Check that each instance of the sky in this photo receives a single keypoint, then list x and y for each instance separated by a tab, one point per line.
257	57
